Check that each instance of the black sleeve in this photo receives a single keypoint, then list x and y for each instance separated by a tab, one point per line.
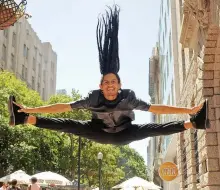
86	102
80	104
136	103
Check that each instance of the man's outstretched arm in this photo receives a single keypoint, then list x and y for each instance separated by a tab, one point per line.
138	104
165	109
84	103
55	108
58	108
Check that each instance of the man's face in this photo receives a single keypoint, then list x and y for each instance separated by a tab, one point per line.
110	86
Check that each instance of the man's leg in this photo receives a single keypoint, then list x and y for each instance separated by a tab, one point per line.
155	129
86	129
138	132
198	121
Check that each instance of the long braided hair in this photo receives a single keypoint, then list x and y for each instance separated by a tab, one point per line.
107	41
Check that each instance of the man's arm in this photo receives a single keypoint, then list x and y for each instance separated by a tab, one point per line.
55	108
58	108
165	109
139	104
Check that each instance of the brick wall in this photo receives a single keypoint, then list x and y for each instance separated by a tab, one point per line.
202	81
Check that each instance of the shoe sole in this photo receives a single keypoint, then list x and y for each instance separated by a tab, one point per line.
207	123
11	111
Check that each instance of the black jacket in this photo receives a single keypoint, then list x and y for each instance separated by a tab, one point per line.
112	113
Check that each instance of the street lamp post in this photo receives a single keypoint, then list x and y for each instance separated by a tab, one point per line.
100	156
79	161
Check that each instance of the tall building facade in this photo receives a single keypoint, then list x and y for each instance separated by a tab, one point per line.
166	87
198	151
196	55
32	61
153	148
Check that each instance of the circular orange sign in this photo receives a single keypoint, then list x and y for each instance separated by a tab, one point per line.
168	171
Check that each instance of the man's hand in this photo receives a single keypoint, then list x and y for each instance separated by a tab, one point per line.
195	109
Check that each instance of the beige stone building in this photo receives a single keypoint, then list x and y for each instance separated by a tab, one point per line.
197	77
32	61
154	156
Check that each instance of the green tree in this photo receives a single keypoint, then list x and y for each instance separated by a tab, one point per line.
133	164
111	173
10	143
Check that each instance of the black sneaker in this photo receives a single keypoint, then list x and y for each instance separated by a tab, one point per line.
200	119
16	118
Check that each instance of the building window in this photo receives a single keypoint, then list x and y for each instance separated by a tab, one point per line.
44	76
6	33
52	67
165	23
183	65
12	62
163	40
27	53
35	52
173	92
196	155
40	58
26	73
33	83
170	46
23	72
38	87
4	53
184	165
181	9
14	40
43	94
190	54
168	6
39	70
25	50
34	64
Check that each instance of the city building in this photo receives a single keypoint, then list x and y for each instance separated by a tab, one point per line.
61	91
154	145
195	40
167	89
198	151
31	60
164	84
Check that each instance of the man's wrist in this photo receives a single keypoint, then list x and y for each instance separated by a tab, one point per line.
188	110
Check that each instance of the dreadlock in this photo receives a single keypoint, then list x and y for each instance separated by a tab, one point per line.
107	41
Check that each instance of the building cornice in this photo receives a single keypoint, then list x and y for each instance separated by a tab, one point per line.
196	15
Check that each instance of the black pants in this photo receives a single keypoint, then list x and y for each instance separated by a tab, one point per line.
94	131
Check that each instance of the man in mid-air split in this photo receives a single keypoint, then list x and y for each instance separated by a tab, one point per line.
111	106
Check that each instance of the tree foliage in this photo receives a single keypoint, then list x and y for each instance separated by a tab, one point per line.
33	149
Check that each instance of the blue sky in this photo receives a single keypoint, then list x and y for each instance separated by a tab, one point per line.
70	26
